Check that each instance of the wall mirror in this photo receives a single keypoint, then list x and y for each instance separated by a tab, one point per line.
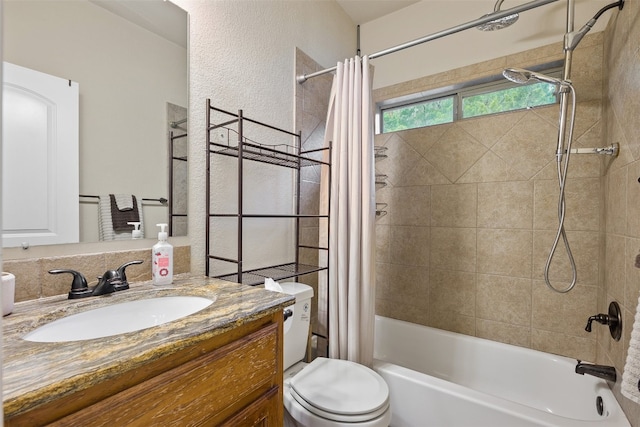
129	59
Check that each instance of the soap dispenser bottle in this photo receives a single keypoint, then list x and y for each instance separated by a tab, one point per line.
162	259
136	233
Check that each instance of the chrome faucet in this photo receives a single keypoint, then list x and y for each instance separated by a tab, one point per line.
605	372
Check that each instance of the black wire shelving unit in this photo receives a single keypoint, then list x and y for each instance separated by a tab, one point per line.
226	137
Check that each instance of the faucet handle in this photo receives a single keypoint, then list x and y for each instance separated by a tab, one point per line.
79	288
123	274
613	320
600	318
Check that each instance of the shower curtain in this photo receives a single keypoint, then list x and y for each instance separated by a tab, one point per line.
351	277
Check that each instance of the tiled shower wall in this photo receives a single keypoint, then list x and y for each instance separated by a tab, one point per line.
622	189
471	213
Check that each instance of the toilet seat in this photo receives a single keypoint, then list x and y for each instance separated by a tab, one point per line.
340	390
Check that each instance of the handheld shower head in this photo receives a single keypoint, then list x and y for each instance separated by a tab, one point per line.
517	75
565	88
521	76
500	23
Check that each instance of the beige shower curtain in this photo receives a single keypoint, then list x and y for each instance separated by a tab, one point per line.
351	277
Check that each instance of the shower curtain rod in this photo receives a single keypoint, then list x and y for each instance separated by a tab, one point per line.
471	24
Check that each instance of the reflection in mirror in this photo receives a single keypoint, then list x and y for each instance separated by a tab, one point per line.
132	84
178	149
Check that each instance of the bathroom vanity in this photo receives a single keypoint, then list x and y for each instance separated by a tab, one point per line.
219	366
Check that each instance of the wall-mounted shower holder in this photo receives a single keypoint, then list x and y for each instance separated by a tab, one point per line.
613	320
380	152
381	180
612	150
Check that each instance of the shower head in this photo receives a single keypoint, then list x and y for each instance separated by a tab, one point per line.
500	23
520	76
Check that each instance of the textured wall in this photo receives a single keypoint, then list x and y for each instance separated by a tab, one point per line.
242	56
622	190
471	215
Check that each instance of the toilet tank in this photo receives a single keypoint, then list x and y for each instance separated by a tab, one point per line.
296	327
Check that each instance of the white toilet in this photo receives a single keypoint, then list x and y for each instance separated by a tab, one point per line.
326	392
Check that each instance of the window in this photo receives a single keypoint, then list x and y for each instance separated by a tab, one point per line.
514	98
471	99
427	113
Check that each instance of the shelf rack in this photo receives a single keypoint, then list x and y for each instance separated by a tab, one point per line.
227	138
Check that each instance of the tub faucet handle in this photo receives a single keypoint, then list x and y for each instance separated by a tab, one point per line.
613	320
600	318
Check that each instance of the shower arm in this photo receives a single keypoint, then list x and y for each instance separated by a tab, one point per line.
462	27
572	38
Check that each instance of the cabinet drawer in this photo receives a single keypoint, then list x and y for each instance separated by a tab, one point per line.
264	412
210	388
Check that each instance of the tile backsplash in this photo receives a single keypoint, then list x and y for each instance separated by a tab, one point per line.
33	280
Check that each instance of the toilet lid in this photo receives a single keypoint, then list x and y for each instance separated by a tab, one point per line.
340	390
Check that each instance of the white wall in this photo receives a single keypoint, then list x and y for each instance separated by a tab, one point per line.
126	76
538	27
242	56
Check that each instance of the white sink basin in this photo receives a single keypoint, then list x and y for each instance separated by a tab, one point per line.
118	319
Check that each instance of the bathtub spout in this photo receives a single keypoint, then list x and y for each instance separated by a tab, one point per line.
605	372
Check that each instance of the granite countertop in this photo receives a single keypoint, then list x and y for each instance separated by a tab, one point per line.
35	373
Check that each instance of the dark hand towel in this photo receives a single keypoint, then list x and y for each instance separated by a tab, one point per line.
120	218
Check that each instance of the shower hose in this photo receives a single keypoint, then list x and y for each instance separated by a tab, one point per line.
562	179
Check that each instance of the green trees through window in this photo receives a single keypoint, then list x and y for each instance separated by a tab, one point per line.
468	103
515	98
427	113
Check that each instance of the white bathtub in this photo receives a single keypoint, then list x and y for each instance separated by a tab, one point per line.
438	379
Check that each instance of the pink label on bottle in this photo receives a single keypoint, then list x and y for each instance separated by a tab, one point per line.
163	262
